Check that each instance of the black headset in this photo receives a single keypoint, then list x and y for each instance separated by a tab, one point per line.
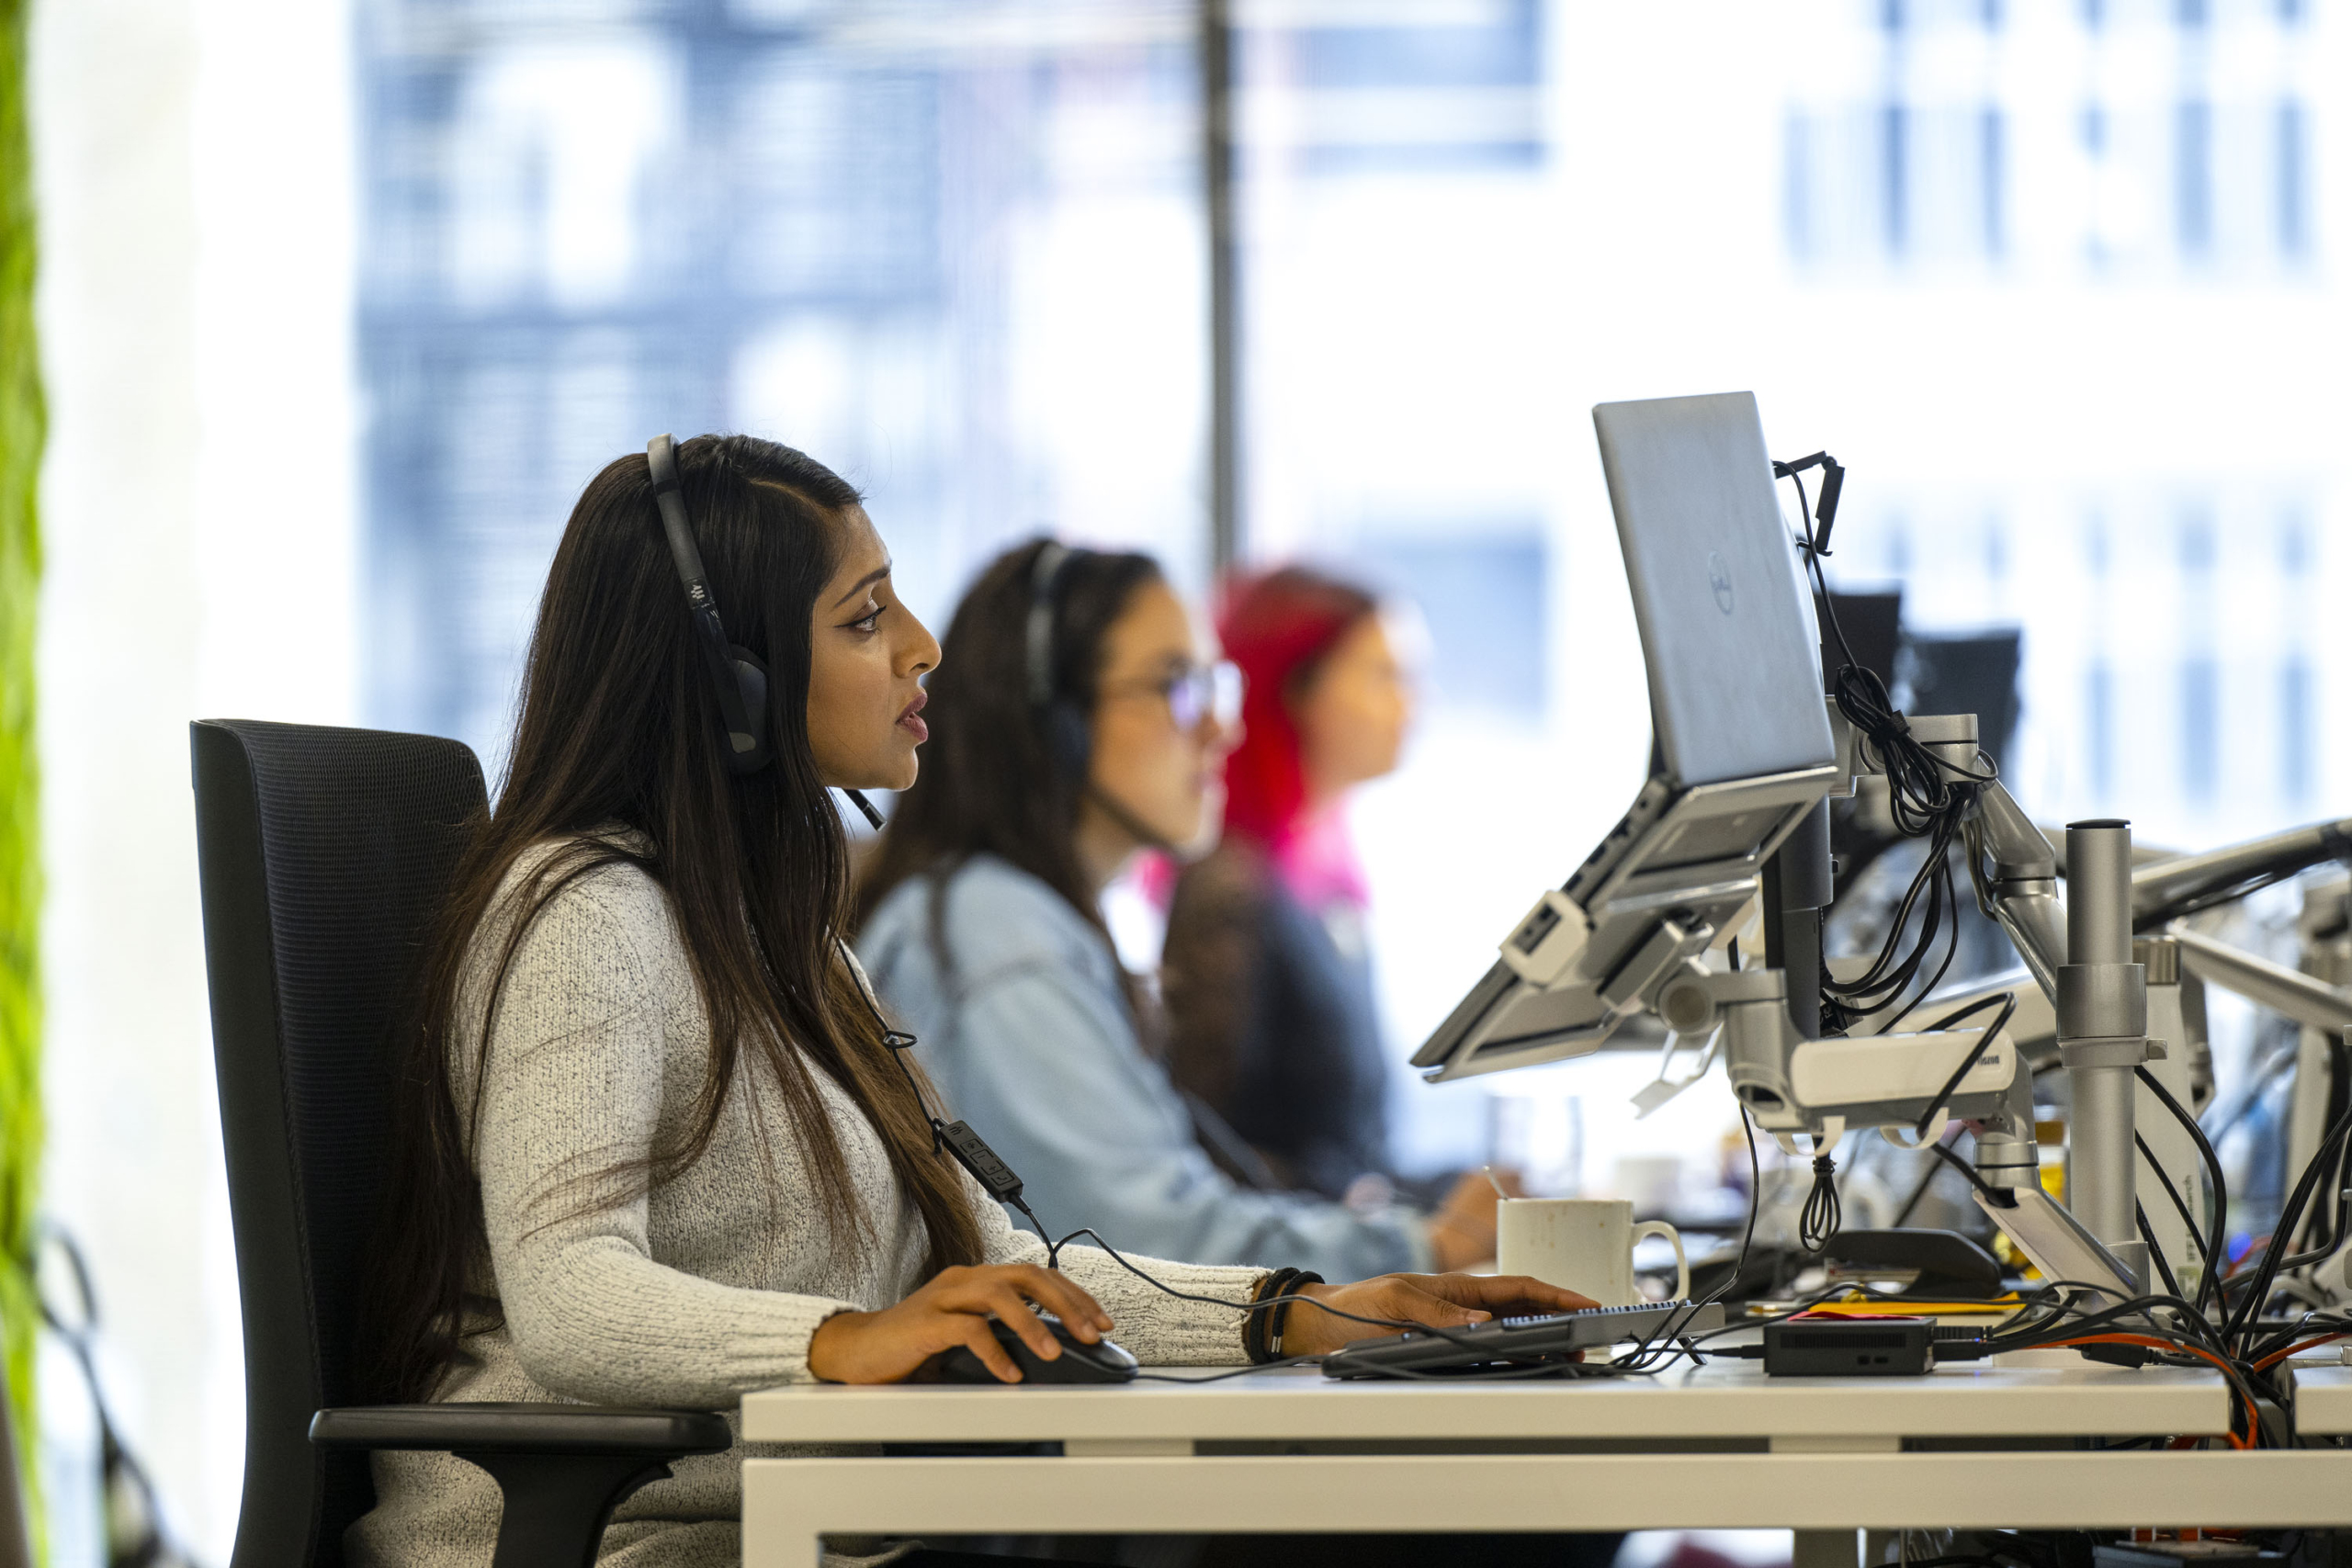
1069	735
736	673
737	676
1067	728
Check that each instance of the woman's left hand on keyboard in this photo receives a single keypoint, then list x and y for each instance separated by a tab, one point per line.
1442	1300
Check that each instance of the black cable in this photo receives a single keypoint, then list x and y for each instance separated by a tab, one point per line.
1450	1335
1994	1195
2008	1004
1235	1373
1892	972
2289	1218
2193	1330
1929	798
2326	1239
1823	1213
2155	1251
2207	1250
1637	1359
2211	1283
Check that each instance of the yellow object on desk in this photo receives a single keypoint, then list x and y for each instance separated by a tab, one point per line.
1870	1306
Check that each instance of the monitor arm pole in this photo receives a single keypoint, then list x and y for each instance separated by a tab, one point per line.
2079	951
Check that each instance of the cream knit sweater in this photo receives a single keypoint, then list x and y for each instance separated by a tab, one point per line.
705	1287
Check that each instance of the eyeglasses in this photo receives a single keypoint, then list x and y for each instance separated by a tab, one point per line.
1193	693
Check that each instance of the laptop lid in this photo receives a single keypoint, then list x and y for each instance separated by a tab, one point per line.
1726	624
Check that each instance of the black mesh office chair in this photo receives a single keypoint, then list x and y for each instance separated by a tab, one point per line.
322	854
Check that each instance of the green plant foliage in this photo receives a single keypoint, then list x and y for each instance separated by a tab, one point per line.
22	424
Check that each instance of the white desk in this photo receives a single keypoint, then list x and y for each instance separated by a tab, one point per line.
2323	1395
1719	1447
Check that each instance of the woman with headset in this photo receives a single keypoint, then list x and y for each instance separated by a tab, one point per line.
1077	721
649	1146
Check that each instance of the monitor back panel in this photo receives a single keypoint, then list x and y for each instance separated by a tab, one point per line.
1726	624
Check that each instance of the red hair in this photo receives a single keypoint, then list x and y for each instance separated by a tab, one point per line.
1278	626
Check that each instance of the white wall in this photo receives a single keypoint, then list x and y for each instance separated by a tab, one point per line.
193	163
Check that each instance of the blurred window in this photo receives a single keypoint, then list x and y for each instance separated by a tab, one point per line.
948	248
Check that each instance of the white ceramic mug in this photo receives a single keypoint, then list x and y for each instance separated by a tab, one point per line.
1585	1245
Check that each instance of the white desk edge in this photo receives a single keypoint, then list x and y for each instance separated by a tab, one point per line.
1722	1400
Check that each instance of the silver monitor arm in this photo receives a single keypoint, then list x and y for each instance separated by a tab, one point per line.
2022	884
2300	998
2163	887
2079	951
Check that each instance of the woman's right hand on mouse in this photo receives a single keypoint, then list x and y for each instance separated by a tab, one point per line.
954	1309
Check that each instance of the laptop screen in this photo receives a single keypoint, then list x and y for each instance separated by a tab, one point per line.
1726	623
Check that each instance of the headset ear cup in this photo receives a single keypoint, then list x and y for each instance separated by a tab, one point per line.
1070	738
752	681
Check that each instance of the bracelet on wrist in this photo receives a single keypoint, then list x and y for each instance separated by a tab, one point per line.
1299	1277
1256	1329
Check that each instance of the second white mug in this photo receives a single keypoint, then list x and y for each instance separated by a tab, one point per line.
1584	1244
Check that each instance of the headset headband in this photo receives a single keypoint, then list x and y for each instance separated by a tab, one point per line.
661	457
1045	576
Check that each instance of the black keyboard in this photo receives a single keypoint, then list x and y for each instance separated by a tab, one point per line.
1504	1342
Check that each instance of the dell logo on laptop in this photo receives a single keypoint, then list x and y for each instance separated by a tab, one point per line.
1719	578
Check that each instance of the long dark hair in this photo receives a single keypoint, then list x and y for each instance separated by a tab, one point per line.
619	727
991	781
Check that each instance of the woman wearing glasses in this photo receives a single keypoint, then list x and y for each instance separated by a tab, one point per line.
1076	721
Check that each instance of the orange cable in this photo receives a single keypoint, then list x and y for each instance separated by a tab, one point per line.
2253	1417
2276	1356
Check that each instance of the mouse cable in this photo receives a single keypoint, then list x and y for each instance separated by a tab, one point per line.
1404	1324
1232	1372
1002	1183
1451	1336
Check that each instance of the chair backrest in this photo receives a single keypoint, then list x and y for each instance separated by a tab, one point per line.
323	855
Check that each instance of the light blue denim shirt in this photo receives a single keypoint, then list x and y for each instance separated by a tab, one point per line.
1027	1035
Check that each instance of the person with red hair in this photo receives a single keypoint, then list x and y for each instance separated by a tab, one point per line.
1266	971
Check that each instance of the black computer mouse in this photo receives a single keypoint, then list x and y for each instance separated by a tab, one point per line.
1079	1362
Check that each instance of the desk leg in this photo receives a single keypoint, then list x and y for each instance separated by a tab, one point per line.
1835	1549
1825	1548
